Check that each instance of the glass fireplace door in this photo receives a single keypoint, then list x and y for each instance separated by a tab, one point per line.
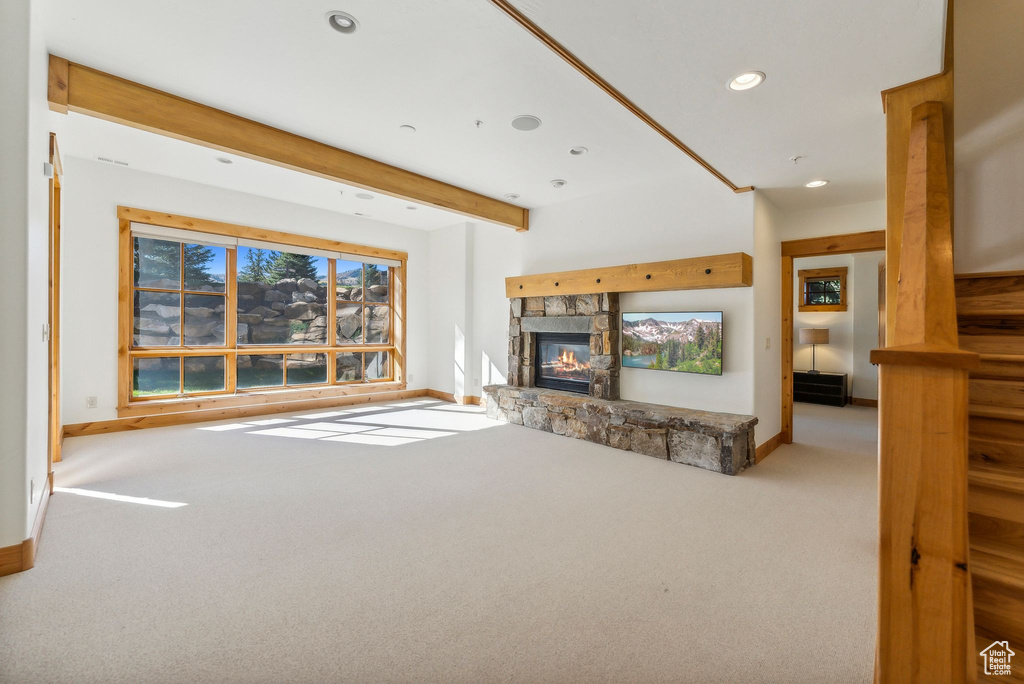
563	361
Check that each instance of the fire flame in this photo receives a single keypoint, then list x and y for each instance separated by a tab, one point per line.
568	362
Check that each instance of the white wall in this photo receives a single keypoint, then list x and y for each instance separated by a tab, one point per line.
449	326
852	333
837	355
865	323
768	222
93	190
988	136
839	220
24	148
689	214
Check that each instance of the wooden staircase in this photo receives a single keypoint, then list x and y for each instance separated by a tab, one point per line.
990	315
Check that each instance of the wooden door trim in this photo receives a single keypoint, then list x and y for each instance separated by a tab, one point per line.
54	440
848	243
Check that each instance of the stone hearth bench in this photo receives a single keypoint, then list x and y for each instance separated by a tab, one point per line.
722	442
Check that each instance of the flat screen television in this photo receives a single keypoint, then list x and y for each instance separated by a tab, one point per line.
681	341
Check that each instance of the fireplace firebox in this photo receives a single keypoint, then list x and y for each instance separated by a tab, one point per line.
563	361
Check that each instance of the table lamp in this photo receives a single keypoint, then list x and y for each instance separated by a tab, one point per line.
813	337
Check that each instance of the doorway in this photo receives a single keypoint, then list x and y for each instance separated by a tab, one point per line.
852	243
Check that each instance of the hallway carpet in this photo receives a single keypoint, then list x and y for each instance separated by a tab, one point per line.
420	542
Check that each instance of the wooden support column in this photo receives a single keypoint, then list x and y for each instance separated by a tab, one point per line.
925	616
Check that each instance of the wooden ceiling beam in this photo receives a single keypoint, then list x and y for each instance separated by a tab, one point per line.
77	88
578	64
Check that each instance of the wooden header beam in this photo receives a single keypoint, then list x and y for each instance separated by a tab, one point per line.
850	243
76	88
697	273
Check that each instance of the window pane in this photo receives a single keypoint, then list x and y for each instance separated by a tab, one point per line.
350	323
348	280
204	373
832	297
378	323
157	318
157	264
204	320
377	282
832	286
155	376
349	367
205	268
259	370
282	297
307	369
376	365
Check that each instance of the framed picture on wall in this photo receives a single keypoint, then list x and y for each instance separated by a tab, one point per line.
680	341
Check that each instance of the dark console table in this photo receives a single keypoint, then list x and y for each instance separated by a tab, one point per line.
820	388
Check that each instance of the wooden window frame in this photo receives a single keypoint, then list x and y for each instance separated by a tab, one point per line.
127	405
815	274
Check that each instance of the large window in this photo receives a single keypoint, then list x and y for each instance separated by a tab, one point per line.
228	312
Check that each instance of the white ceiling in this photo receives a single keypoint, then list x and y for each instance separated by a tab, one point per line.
826	63
441	65
90	138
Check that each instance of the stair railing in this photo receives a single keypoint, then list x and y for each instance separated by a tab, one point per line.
925	617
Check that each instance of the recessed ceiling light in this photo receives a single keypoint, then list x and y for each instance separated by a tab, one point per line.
225	160
558	183
512	196
364	195
406	128
412	208
578	150
817	183
747	80
526	122
342	22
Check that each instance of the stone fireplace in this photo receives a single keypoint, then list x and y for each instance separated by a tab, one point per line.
565	342
563	377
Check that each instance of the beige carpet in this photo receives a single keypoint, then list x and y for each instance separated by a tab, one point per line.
423	543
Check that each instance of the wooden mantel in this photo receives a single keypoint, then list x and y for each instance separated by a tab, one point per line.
697	273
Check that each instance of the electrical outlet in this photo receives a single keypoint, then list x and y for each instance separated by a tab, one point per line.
90	402
767	343
31	491
411	377
46	332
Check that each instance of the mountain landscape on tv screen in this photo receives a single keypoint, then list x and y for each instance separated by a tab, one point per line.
687	343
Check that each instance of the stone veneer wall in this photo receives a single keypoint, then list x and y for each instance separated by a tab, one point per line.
597	314
722	442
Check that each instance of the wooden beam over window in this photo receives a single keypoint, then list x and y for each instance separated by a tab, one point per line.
77	88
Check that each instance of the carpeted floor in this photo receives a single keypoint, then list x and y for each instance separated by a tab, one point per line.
421	542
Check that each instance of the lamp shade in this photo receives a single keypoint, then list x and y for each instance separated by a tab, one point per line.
813	335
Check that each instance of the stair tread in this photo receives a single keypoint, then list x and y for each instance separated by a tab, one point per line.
1001	412
1007	358
988	312
999	567
1007	479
